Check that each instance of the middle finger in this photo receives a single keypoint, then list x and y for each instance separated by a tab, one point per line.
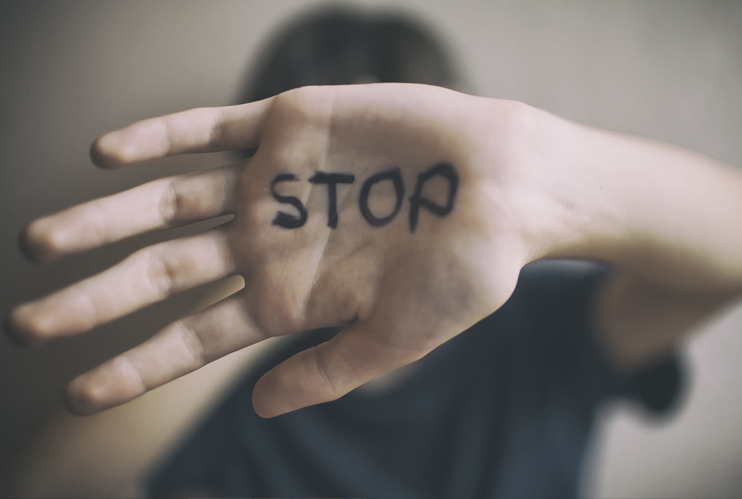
159	204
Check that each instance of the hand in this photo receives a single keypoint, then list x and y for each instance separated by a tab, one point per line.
386	209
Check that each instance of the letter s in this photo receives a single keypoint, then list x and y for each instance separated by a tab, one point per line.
284	219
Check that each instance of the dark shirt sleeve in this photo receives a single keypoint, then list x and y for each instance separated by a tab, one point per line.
562	296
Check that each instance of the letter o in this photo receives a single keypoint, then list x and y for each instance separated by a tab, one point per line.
393	174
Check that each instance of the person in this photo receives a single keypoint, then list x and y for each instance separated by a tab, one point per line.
404	214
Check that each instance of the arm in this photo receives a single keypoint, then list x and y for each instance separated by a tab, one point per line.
668	221
439	200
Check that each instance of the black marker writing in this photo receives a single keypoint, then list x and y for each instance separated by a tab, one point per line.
417	201
332	180
445	170
284	219
393	174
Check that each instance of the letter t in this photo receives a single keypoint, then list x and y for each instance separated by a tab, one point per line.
332	180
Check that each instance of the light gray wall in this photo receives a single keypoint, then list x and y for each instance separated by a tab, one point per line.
70	71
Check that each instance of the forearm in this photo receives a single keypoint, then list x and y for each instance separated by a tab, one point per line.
668	221
654	210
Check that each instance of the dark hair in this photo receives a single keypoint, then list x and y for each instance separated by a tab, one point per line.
338	46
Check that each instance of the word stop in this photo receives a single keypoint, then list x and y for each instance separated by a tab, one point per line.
393	175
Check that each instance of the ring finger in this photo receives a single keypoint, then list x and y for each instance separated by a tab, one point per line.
147	276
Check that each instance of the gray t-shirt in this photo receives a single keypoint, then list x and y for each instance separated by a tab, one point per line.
503	410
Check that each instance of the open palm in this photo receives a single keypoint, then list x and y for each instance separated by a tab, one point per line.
374	207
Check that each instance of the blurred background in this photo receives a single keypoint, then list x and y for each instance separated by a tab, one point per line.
70	71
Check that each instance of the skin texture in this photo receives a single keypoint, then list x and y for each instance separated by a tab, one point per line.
529	185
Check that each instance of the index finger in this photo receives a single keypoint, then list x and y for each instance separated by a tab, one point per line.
207	129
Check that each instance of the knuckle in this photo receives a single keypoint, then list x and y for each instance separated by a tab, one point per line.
159	273
183	199
216	131
193	341
310	103
320	367
86	313
168	207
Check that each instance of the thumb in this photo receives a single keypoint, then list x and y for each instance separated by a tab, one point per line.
328	371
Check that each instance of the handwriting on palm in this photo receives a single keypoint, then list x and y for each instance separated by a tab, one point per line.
363	207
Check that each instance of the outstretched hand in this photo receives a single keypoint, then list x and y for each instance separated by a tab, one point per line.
387	209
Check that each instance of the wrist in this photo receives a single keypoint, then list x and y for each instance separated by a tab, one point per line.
583	215
537	175
653	210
